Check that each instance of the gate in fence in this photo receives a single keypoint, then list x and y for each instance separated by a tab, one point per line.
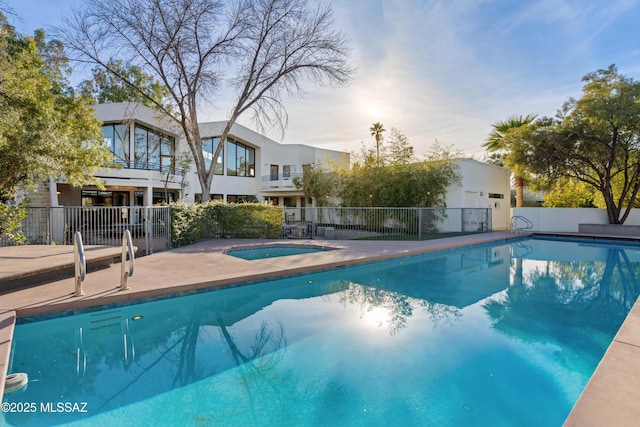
150	226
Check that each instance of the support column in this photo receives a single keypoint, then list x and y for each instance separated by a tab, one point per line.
53	193
148	196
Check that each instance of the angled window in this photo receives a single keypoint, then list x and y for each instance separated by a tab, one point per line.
209	147
116	138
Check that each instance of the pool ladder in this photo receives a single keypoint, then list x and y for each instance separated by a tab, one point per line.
528	225
80	261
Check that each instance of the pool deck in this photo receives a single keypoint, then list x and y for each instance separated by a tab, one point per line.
610	398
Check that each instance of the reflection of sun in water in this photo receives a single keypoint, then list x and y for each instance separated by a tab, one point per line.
377	316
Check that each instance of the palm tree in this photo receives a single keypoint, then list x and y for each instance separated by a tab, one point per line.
498	144
376	131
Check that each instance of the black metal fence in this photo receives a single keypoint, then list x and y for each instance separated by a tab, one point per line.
384	223
150	227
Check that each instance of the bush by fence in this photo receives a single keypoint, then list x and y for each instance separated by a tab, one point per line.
11	218
191	223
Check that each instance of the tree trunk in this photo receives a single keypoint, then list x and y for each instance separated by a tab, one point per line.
519	191
205	187
613	212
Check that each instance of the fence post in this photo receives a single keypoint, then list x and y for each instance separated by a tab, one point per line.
462	220
168	222
147	231
419	223
48	237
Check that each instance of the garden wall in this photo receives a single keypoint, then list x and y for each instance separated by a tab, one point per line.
567	219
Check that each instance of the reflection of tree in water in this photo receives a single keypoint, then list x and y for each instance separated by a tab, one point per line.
259	366
180	349
397	307
186	366
266	342
441	313
562	299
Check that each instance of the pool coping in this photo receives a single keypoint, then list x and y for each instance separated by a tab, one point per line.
609	398
7	325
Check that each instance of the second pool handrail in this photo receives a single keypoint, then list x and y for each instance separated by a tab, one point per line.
80	262
127	248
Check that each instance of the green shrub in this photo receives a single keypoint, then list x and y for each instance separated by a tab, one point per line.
191	223
11	217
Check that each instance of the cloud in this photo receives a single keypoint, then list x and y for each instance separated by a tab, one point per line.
445	69
448	69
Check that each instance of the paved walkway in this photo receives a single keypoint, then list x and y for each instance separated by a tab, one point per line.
610	398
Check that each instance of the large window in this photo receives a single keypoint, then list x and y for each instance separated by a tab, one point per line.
209	147
241	198
117	140
162	197
152	150
104	198
241	159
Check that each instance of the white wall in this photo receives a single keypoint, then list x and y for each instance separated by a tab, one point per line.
567	219
478	181
124	111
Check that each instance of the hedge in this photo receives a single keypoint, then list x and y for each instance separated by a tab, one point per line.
191	223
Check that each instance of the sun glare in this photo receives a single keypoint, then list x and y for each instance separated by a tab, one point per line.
377	316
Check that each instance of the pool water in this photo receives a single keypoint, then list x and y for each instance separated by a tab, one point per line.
272	251
500	335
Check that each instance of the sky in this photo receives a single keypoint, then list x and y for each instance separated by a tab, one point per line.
440	70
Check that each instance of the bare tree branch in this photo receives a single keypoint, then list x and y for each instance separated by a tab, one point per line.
265	49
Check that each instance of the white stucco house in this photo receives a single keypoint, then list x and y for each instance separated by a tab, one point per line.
250	167
146	144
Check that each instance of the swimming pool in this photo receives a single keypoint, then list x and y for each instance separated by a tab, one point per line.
501	334
263	252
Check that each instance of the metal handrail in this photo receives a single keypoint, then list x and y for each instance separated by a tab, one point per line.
127	247
514	223
80	262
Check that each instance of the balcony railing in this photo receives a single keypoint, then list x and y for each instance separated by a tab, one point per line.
280	182
150	166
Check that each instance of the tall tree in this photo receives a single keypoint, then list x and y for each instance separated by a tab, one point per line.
595	140
45	131
400	151
105	87
376	131
263	49
499	144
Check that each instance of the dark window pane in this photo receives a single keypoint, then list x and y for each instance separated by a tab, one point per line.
231	158
241	159
121	143
153	150
140	147
251	171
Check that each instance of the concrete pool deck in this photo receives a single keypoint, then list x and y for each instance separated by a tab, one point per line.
610	397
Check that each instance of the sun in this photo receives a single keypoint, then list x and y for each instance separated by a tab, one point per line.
377	316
